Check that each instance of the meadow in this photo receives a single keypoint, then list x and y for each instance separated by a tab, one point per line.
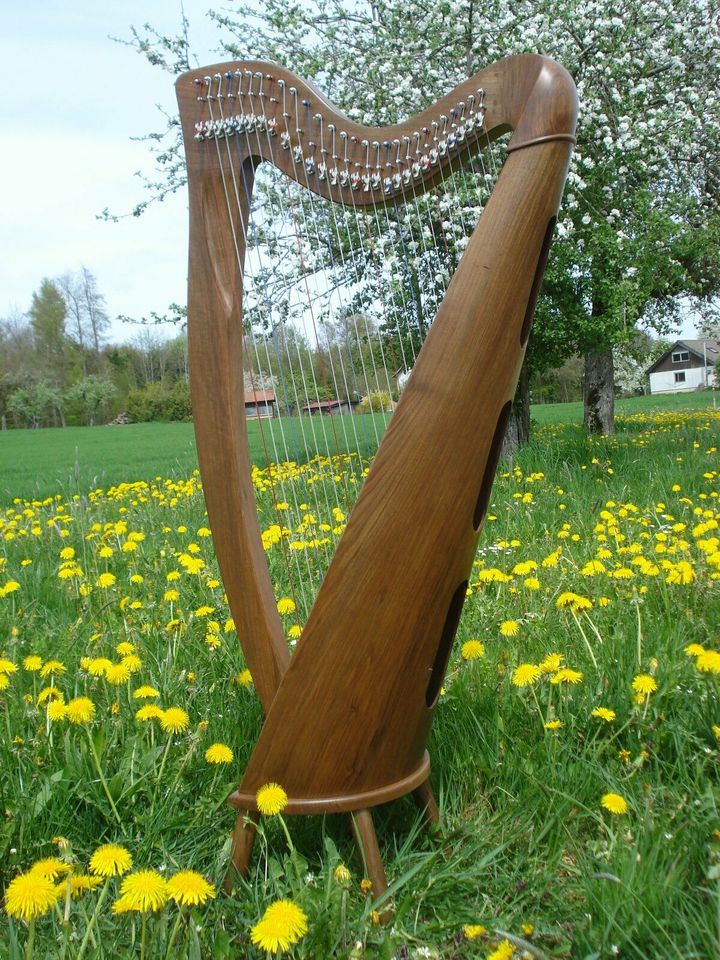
39	463
575	746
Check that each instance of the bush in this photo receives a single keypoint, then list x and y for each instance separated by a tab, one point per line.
378	402
155	403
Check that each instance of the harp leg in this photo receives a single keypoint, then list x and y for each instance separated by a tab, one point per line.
367	846
426	803
242	847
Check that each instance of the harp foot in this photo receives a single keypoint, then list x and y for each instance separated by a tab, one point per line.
426	803
242	847
367	845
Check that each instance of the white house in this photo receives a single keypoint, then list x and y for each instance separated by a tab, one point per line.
687	365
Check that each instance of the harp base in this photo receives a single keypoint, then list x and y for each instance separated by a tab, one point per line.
343	803
361	818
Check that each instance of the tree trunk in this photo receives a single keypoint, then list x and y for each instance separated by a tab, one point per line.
518	430
598	392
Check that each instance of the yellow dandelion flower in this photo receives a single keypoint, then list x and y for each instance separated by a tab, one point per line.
132	662
342	875
145	692
294	631
32	663
574	602
566	675
105	580
509	628
281	926
614	803
708	661
50	867
716	731
189	888
7	666
49	693
473	930
552	663
98	666
526	674
285	606
693	649
125	648
604	713
244	678
52	666
142	891
56	710
681	573
81	883
111	860
117	674
80	710
150	711
174	720
644	684
271	799
472	650
492	575
219	753
4	681
553	724
503	951
170	596
30	895
531	583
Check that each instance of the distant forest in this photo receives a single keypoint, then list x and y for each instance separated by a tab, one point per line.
57	368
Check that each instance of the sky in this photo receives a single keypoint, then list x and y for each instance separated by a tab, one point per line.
73	100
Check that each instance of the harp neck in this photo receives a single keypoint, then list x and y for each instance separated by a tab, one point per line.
278	117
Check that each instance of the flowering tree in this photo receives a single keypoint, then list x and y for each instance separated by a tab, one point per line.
640	223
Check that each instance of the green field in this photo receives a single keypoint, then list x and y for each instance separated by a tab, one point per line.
40	463
575	748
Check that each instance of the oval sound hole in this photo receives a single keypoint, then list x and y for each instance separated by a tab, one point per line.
444	646
491	466
535	289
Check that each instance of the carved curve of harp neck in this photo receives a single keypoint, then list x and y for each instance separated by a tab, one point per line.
271	114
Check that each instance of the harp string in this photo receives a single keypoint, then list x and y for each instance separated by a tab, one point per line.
397	259
295	581
312	491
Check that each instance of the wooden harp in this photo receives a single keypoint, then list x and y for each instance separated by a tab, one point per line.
348	714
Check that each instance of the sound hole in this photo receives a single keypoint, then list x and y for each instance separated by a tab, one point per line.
537	280
491	465
446	639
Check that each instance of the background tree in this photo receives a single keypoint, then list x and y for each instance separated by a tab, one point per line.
639	224
92	395
47	315
87	318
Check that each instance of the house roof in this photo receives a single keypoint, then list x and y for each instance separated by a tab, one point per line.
260	396
704	349
326	404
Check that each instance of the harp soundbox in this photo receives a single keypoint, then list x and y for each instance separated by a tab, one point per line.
347	715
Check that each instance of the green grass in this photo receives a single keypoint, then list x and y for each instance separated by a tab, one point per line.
524	838
39	463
